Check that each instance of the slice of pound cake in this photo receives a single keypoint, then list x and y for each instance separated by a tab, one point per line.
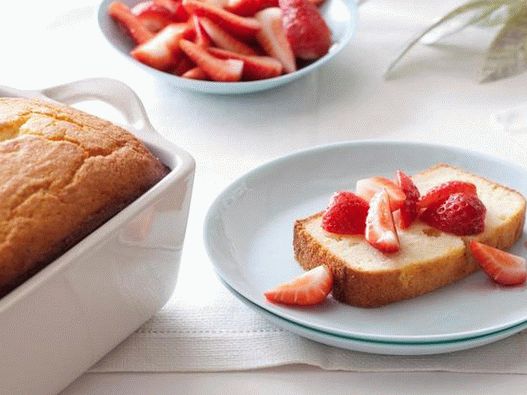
427	258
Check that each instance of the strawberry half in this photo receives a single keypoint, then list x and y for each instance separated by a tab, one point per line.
310	288
175	7
502	267
368	187
130	23
273	39
154	16
346	214
201	39
306	30
238	25
223	39
408	211
249	7
442	191
195	74
254	67
217	69
380	227
162	51
461	214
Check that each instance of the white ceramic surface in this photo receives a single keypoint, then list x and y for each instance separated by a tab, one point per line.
385	348
66	317
340	15
248	235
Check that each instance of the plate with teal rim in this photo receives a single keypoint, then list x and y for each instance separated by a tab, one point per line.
248	236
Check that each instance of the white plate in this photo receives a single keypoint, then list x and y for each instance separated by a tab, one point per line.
385	348
340	15
248	235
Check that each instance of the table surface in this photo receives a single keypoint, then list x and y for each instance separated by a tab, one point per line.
434	97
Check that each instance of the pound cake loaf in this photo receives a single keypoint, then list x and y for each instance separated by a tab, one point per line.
62	174
428	258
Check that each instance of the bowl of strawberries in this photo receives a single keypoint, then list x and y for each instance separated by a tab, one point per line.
228	46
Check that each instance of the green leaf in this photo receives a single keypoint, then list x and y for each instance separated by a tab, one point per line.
507	55
478	9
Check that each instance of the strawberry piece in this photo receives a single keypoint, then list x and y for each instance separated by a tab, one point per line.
201	39
131	24
408	211
310	288
502	267
273	39
380	227
368	187
306	30
462	214
346	214
184	65
162	51
195	74
175	7
238	25
317	2
442	191
217	69
249	7
254	67
153	16
223	39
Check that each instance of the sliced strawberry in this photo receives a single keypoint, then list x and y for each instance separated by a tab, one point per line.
317	2
346	214
306	30
162	51
217	3
408	211
380	227
442	191
133	26
462	214
154	16
272	38
217	69
502	267
254	67
238	25
368	187
202	39
223	39
195	74
184	65
249	7
310	288
175	7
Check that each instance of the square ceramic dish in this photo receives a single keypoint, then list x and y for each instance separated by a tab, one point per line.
66	317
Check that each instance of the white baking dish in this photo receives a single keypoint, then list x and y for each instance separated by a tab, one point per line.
66	317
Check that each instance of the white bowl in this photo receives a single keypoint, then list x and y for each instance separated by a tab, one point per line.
66	317
340	15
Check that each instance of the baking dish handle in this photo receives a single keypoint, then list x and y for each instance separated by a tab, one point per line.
113	92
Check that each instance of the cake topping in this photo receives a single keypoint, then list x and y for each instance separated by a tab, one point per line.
368	187
502	267
408	211
346	214
441	192
380	228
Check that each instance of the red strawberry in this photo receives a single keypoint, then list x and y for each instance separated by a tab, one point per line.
272	38
380	228
202	39
240	26
408	212
306	30
135	29
317	2
249	7
184	65
439	193
254	67
368	187
346	214
502	267
195	74
217	69
223	39
310	288
153	16
175	7
461	214
162	51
